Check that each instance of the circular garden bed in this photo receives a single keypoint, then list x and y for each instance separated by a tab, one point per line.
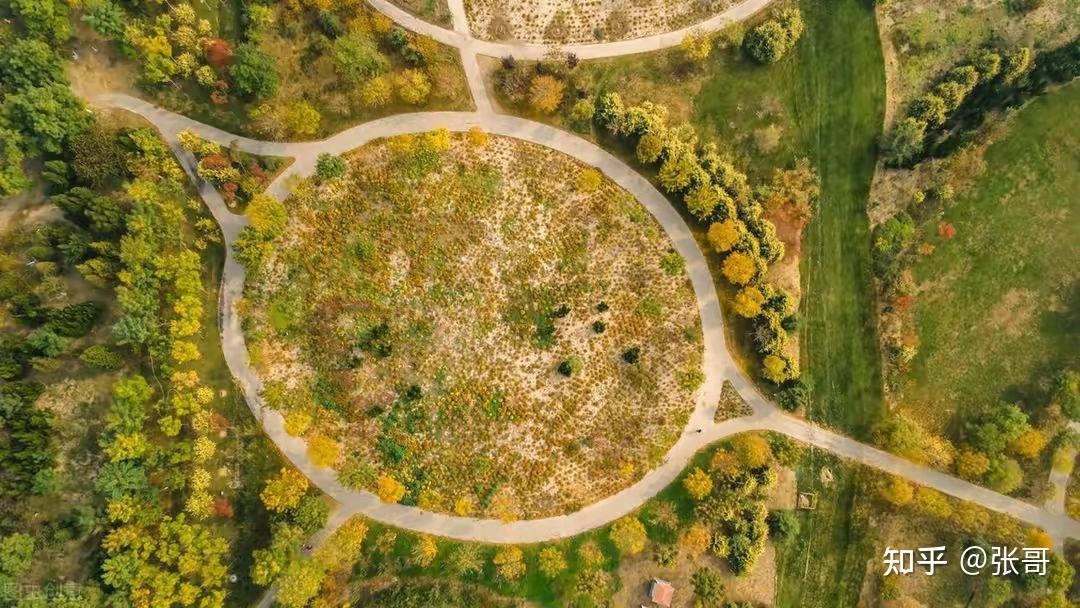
475	325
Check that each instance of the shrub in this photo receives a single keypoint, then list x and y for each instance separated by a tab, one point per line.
413	86
76	320
570	366
546	93
328	167
770	41
101	356
783	525
632	355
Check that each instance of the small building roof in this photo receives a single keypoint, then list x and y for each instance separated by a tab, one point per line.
661	592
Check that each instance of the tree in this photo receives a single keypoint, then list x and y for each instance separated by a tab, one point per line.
12	177
509	564
98	158
906	142
770	41
696	46
356	58
708	587
300	583
739	268
284	492
377	91
930	109
1029	445
254	73
696	539
552	562
628	535
47	19
703	199
16	554
698	484
466	560
413	86
723	236
29	62
546	93
971	465
680	169
650	147
390	490
783	524
896	491
748	302
1067	393
993	431
49	115
300	119
101	356
311	514
751	450
106	18
267	215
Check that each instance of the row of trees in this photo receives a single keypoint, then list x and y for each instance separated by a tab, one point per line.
717	193
949	116
929	114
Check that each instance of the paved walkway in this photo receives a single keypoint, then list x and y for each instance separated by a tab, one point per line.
460	38
718	364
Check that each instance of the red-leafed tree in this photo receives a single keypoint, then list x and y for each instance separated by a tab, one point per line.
219	53
946	230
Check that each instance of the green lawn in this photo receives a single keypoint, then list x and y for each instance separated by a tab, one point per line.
838	88
998	307
826	563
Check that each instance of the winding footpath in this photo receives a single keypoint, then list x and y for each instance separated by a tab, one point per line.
718	364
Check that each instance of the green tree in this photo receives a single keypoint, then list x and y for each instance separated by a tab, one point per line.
12	177
16	554
46	19
708	587
356	58
1004	475
47	114
783	524
254	73
98	157
300	583
906	142
770	41
29	62
328	167
106	18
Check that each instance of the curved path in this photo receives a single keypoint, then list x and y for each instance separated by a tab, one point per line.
718	364
460	38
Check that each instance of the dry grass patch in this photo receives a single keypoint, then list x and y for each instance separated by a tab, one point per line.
574	21
496	327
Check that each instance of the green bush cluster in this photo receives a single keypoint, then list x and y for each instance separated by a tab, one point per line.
770	41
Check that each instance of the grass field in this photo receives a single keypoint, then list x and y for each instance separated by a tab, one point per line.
998	306
838	85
